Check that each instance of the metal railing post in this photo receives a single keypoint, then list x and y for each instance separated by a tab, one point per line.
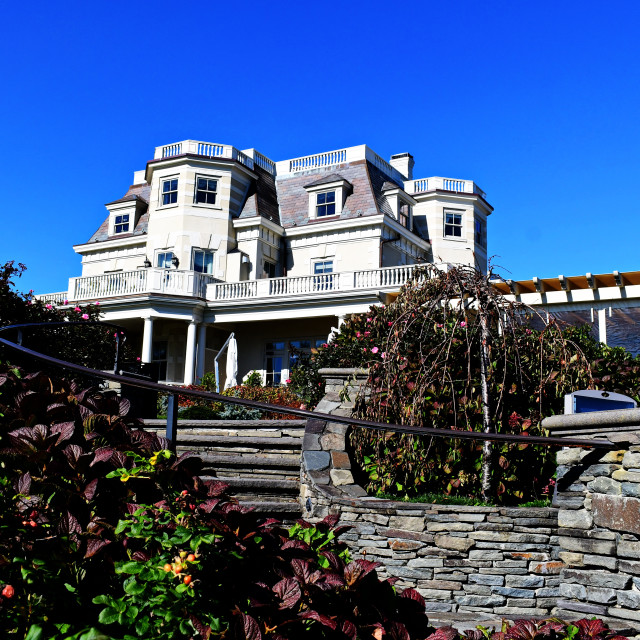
172	421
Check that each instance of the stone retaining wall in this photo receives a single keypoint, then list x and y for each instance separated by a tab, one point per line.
488	560
598	495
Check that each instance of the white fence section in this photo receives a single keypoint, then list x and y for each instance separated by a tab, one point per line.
319	160
53	298
446	184
193	284
140	281
235	290
206	149
388	277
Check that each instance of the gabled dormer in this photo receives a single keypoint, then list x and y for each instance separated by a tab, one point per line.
327	196
400	203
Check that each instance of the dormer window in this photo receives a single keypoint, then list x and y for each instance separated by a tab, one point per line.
400	204
206	191
121	224
327	196
325	204
404	214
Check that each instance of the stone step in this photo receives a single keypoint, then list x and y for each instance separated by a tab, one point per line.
261	486
257	442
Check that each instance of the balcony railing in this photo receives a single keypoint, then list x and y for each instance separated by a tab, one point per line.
138	282
313	286
446	184
202	285
207	149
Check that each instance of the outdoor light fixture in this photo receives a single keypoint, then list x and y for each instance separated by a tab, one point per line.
147	263
175	262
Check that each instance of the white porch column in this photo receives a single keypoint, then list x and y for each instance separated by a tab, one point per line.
190	355
147	340
202	344
602	325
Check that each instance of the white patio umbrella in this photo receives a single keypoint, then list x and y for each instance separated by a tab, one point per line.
232	363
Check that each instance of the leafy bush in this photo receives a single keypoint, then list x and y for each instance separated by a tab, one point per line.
253	379
424	353
197	412
281	396
104	531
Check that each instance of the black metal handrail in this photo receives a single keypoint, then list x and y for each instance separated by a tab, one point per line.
172	412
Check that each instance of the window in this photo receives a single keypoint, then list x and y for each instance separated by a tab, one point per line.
326	204
164	259
159	357
404	214
274	360
121	224
479	233
203	260
452	224
300	350
170	191
323	270
206	191
269	269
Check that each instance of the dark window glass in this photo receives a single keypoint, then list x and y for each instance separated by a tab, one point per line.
203	261
453	225
326	204
121	224
170	191
206	191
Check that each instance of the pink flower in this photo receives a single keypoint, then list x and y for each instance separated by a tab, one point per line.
463	324
439	326
48	306
138	358
324	344
368	319
383	355
97	304
288	380
367	333
85	316
375	350
357	334
78	309
389	323
528	332
66	301
364	349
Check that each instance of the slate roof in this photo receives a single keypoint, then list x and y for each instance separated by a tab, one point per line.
365	198
262	199
139	192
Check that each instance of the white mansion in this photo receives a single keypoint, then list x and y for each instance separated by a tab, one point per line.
210	240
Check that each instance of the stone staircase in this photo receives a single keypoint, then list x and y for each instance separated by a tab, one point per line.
259	459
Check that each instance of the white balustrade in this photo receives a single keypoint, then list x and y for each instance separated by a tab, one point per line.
304	284
171	150
169	281
386	277
446	184
319	160
235	290
264	162
53	298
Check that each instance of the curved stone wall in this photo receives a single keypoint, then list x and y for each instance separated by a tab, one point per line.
490	560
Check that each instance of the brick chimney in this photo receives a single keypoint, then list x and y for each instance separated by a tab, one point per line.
403	162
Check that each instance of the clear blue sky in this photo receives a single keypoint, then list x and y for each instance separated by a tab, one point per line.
537	102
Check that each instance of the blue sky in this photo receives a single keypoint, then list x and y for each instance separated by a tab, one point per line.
536	102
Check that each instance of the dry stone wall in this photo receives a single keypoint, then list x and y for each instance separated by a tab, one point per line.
489	560
598	493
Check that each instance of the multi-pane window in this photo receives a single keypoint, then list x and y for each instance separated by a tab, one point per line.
121	224
164	259
326	204
323	270
203	260
404	214
452	224
269	269
300	349
274	360
206	191
479	233
170	191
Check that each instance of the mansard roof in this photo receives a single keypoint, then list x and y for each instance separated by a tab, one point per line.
262	198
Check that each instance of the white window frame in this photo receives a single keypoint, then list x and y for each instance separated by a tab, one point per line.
339	187
409	216
325	205
453	225
163	181
125	224
210	205
160	252
481	238
205	252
